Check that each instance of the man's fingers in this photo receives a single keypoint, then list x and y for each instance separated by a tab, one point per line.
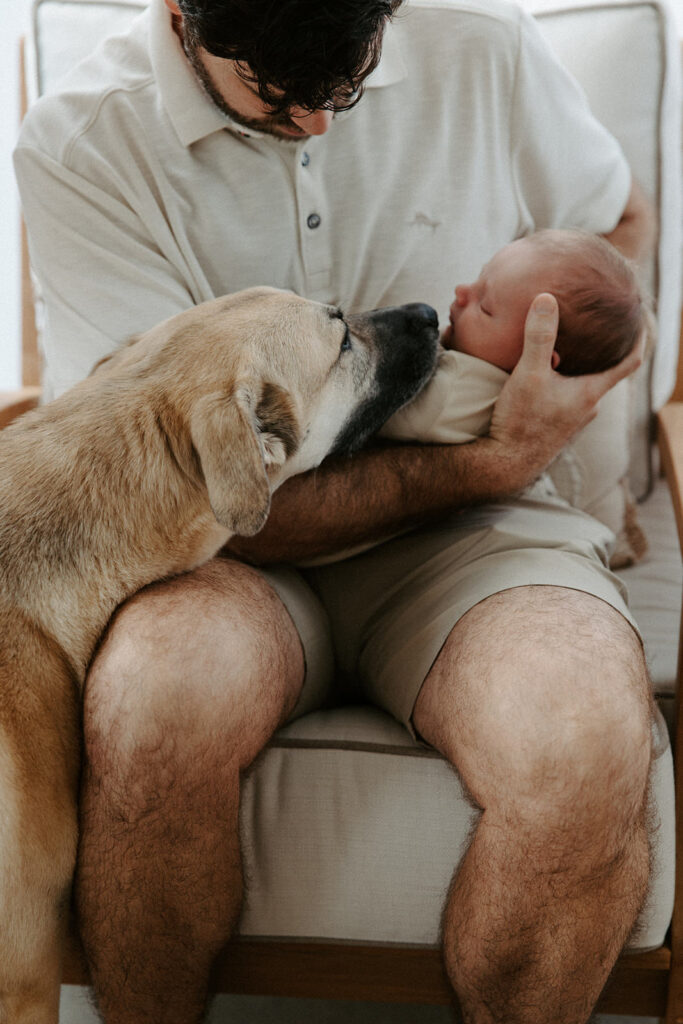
540	332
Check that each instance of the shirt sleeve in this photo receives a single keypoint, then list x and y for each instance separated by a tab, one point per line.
569	171
102	276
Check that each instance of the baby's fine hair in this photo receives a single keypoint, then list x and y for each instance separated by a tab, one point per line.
602	311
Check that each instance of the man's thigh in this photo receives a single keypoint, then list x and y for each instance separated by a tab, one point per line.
223	646
537	690
393	608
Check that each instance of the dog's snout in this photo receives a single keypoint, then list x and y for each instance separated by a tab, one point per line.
405	340
420	315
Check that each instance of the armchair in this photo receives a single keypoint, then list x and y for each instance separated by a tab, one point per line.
305	930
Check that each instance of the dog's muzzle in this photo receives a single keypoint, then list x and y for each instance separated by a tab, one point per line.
406	341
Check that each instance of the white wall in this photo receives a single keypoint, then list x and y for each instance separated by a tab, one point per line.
15	21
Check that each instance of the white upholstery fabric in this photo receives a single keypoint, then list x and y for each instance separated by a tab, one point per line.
654	587
351	831
66	31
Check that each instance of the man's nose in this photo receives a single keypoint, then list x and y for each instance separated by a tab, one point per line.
313	122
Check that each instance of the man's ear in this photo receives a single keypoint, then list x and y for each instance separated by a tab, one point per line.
555	360
225	435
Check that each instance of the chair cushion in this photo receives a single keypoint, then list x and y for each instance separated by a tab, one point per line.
351	831
655	587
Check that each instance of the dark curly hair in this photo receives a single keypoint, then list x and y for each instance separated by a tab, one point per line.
312	54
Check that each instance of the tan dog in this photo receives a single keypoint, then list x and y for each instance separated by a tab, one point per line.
139	472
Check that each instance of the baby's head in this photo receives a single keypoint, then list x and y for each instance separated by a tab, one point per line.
602	313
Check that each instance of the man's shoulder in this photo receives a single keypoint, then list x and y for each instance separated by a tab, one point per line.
101	89
505	12
468	30
460	38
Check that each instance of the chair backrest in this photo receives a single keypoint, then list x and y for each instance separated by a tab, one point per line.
625	54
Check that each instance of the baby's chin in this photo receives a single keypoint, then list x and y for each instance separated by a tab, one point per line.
447	337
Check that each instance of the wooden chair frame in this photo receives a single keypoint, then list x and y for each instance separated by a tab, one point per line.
642	984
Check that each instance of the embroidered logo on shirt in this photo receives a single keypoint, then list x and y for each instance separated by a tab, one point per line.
422	220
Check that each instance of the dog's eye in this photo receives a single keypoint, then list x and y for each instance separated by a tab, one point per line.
346	342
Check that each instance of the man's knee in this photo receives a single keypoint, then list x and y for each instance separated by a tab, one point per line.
541	700
207	659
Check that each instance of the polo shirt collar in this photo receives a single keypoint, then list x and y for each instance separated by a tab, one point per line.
192	113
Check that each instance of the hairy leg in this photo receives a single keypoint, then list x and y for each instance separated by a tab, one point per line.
540	699
194	676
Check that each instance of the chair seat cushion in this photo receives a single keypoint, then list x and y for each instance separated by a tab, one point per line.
655	586
351	831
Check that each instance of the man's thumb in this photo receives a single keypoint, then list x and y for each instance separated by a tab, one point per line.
540	331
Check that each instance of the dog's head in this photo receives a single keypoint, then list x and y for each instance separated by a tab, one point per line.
263	384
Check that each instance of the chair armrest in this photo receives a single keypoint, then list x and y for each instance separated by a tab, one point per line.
15	403
670	437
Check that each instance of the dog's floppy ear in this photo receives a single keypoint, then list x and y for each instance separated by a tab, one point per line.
225	436
278	424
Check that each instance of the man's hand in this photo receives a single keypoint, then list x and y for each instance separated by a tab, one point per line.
539	410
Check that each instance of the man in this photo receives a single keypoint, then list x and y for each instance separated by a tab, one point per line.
215	147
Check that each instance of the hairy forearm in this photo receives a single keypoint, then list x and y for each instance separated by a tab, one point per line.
379	492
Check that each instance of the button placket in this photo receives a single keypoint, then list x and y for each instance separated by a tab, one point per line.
314	223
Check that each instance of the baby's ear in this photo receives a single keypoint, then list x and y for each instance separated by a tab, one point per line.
555	361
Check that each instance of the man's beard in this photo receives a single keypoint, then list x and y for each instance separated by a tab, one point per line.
268	124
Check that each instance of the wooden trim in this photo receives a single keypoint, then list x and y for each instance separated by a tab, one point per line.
16	403
670	438
678	390
388	974
30	356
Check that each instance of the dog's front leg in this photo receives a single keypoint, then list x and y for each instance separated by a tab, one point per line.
39	765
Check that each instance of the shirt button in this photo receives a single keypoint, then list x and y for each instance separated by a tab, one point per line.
305	159
313	221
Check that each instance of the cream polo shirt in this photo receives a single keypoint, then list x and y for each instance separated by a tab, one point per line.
141	198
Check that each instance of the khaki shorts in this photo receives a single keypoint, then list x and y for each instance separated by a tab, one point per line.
371	626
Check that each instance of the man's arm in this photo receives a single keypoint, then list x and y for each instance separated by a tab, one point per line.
382	490
634	235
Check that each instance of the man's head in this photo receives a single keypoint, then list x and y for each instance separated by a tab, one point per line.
283	68
602	314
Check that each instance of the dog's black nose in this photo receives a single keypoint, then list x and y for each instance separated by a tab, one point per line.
421	315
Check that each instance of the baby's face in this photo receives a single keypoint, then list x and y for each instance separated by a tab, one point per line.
487	317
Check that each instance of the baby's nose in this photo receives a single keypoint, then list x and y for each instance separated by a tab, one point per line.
462	294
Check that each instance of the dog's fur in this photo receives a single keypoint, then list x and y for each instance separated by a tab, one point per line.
141	471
